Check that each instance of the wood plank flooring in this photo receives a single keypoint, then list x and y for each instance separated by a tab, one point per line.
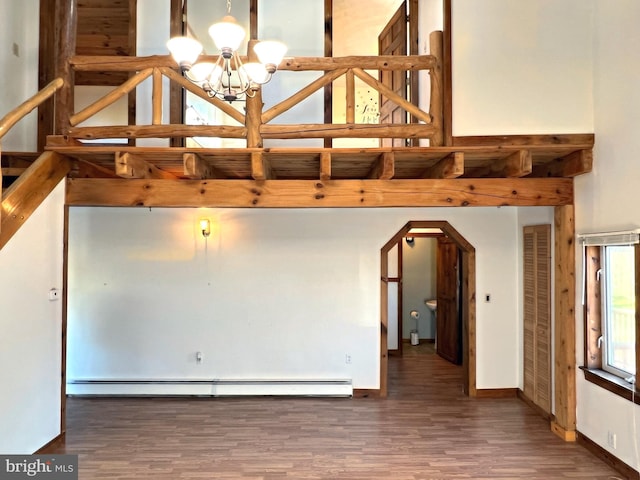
426	429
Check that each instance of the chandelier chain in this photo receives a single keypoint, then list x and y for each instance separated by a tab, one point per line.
229	7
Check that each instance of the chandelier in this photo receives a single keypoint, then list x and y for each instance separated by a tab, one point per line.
228	78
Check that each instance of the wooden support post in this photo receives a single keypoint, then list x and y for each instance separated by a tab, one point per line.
351	97
325	166
157	97
66	21
253	117
260	167
564	424
177	22
384	168
46	68
436	107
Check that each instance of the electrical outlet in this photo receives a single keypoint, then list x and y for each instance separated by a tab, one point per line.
612	440
347	359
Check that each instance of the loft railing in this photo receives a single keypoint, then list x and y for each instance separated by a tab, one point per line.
255	123
14	116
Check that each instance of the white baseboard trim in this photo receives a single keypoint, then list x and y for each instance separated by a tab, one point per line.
211	388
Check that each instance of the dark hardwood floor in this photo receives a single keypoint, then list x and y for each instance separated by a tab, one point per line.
426	429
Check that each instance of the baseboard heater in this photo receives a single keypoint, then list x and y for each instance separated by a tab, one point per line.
211	388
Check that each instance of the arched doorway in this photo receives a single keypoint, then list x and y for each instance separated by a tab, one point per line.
468	292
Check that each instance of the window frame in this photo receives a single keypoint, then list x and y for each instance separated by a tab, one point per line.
593	313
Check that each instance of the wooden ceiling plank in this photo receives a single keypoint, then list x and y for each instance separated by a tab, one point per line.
196	168
451	166
316	194
325	166
261	167
129	165
384	168
84	169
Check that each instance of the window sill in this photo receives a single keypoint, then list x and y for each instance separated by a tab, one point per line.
615	385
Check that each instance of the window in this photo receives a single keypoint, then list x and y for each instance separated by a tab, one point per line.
618	307
611	292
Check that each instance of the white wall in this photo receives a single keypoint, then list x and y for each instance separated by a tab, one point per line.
152	36
522	67
605	198
19	27
277	294
30	354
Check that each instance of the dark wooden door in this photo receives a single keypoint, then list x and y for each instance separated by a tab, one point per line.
393	41
448	324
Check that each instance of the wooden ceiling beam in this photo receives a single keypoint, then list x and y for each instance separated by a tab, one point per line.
261	167
129	165
451	166
315	193
196	168
518	164
111	63
515	164
576	163
384	168
22	198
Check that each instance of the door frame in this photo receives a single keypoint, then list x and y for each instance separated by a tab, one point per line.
468	292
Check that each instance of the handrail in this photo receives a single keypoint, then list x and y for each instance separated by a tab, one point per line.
18	113
254	122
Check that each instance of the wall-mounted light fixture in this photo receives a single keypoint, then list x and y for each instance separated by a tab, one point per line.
205	227
409	240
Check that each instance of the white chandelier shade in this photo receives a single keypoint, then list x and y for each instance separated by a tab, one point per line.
227	34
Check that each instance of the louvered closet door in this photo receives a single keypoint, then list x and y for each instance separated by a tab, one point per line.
537	315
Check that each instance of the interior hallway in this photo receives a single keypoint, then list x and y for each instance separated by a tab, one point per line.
426	429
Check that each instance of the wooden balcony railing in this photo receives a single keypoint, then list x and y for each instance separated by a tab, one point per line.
255	123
